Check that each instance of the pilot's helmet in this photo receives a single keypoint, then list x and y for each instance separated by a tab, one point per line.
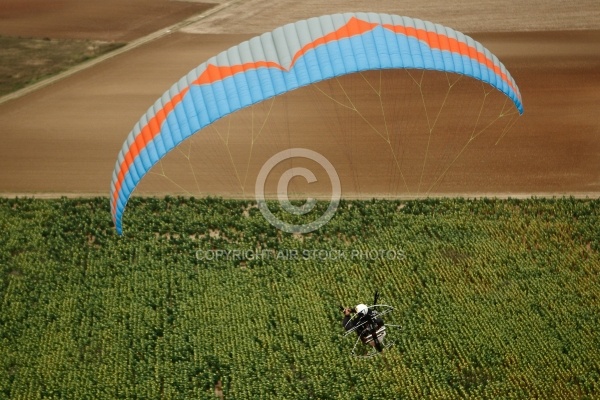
361	309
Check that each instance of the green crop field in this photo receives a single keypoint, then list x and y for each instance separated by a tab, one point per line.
25	61
202	298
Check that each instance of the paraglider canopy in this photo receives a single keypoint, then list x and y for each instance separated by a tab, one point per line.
292	56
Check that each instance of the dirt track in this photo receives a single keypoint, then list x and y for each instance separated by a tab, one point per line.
64	138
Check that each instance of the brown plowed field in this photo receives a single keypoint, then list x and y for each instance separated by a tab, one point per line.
110	20
64	138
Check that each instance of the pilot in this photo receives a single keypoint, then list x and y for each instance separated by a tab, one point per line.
362	316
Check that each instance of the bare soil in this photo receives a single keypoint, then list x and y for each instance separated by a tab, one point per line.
467	16
107	20
64	138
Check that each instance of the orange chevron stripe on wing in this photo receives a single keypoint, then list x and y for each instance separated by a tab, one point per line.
353	27
445	43
147	134
214	73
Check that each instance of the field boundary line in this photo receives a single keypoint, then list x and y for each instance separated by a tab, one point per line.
501	196
129	46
